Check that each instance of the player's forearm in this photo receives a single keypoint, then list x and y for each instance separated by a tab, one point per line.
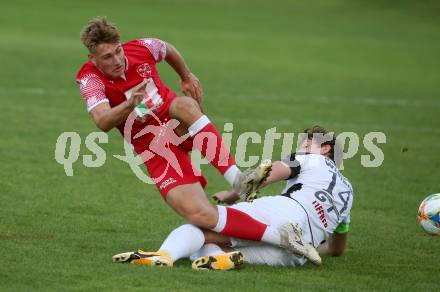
324	248
280	171
176	61
338	244
110	118
335	245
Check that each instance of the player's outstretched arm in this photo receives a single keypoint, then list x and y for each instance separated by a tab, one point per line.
189	83
106	117
280	171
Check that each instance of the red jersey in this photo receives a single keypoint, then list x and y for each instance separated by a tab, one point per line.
141	57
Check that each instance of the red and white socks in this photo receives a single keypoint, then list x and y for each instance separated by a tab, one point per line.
209	142
235	223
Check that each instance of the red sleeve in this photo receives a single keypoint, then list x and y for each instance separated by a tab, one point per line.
92	90
156	47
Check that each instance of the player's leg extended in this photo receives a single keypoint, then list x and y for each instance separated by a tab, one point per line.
286	221
274	215
188	112
216	254
180	243
187	197
216	257
206	138
190	202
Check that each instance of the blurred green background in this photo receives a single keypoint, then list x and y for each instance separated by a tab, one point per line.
356	66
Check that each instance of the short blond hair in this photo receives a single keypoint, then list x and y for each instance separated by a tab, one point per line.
99	31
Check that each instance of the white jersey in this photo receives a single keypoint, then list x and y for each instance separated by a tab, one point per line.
317	197
322	191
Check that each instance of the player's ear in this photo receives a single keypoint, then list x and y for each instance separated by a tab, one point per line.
91	58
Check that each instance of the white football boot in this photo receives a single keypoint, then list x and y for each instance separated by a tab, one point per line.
248	183
291	240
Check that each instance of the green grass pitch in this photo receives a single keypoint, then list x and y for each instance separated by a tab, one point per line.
348	65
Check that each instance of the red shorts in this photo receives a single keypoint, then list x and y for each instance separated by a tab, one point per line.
172	167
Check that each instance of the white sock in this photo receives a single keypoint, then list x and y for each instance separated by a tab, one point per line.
221	223
272	236
183	241
206	250
231	174
198	125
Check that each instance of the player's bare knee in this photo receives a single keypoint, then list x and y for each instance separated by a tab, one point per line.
184	104
185	109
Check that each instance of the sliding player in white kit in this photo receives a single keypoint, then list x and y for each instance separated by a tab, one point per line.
317	199
313	210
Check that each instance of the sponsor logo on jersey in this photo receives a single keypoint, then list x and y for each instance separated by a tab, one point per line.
144	70
167	182
320	211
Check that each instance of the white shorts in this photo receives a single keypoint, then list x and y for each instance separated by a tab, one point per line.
274	211
271	256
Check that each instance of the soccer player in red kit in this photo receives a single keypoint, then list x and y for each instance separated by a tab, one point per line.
121	80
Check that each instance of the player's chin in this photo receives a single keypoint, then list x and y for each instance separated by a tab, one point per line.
118	71
116	74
